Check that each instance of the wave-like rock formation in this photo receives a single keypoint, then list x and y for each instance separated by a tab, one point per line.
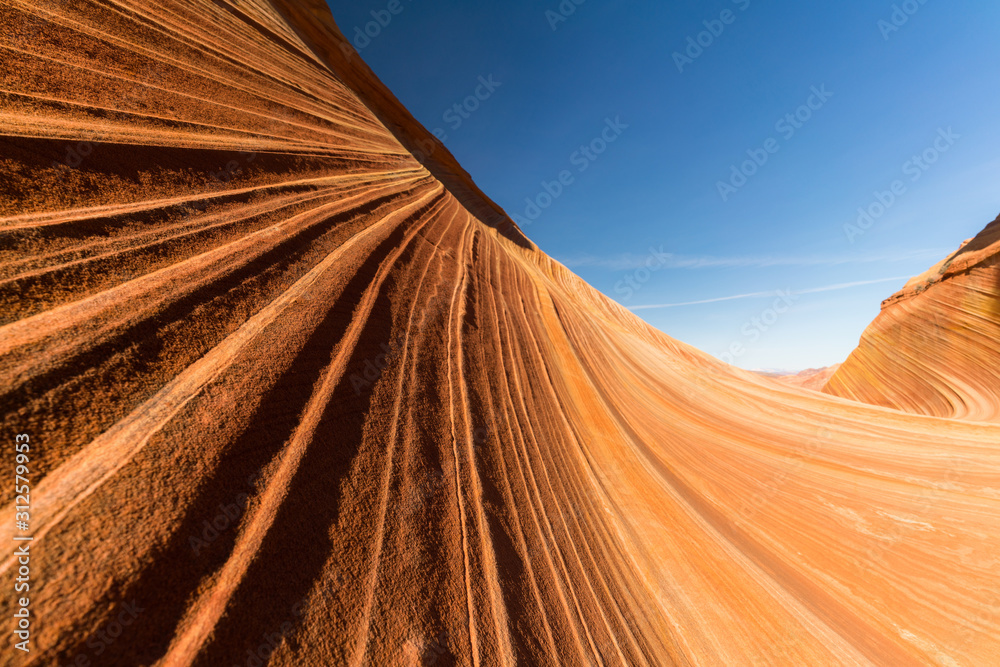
295	398
935	347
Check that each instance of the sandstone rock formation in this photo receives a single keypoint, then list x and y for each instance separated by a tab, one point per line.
811	378
935	348
296	399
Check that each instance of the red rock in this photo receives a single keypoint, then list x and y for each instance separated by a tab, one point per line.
294	398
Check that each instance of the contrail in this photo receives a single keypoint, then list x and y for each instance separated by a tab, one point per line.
757	295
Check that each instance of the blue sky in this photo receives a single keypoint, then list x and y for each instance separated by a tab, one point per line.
640	212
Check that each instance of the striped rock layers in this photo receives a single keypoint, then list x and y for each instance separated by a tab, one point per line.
935	348
296	397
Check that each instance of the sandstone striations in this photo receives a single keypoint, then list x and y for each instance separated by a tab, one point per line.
295	398
935	348
812	378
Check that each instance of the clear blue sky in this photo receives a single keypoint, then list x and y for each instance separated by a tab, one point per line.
880	96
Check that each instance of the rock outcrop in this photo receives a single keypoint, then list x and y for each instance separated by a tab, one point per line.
935	347
296	398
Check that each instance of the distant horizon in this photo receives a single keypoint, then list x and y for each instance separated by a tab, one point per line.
763	148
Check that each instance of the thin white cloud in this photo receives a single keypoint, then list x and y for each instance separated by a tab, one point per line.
627	261
772	293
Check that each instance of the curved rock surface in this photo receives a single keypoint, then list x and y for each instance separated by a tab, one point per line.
295	399
811	378
935	347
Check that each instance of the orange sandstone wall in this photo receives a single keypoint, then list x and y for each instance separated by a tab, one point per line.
935	348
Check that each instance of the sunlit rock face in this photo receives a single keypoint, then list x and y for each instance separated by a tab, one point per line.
296	399
935	348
